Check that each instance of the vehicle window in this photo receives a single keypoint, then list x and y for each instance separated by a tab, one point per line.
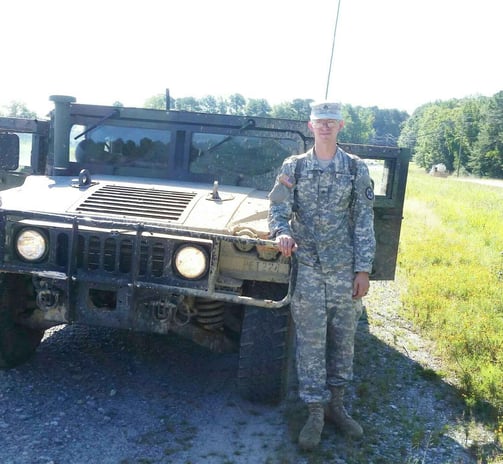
250	161
380	173
121	146
25	143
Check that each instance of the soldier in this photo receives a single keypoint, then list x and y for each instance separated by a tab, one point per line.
321	213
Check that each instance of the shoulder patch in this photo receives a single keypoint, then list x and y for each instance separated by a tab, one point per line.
285	180
369	193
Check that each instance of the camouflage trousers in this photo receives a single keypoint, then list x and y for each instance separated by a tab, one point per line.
325	317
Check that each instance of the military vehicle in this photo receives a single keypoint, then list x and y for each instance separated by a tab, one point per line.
156	221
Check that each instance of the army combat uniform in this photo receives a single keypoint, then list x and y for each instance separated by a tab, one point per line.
329	213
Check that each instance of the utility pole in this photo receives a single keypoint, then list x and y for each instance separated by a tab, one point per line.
459	157
465	126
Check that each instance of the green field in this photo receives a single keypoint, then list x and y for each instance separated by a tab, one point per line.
451	258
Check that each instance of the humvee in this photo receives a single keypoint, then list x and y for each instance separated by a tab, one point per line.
156	221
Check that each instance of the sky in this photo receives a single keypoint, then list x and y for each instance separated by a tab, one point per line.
387	53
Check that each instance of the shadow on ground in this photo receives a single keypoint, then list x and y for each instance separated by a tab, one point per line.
108	396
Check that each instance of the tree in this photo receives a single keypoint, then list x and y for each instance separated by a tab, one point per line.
187	104
387	125
436	138
257	107
467	119
408	134
156	102
302	108
236	104
444	132
18	109
358	127
283	110
298	109
208	104
487	159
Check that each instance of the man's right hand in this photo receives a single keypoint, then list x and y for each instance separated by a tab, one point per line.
286	245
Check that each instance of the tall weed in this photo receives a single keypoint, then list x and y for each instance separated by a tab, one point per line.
451	255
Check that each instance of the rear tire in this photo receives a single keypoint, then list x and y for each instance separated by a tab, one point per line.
263	354
17	342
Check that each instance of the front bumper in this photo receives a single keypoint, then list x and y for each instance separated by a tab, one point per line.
124	254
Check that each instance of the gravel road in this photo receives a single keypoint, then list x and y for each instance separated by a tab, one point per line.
103	396
489	182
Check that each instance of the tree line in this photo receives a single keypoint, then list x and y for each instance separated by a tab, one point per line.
363	125
466	135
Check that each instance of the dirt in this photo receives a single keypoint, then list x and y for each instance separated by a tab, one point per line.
104	396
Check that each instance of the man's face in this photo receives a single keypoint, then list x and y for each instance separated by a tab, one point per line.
325	128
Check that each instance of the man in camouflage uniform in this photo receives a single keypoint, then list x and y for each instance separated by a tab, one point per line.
321	211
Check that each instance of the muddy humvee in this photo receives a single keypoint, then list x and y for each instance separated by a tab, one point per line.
156	221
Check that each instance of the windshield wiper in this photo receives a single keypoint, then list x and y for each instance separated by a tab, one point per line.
246	125
101	121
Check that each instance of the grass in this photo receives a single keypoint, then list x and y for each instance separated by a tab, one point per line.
451	256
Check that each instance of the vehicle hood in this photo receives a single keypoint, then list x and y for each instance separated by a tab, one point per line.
186	205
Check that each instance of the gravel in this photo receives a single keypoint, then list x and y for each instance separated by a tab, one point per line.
94	395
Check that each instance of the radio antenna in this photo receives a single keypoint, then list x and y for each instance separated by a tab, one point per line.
333	47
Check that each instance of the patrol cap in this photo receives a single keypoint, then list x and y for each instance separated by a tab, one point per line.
326	110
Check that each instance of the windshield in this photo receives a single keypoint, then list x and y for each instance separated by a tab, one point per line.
251	161
119	147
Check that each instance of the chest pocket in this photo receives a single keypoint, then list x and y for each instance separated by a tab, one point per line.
337	190
341	189
317	192
306	194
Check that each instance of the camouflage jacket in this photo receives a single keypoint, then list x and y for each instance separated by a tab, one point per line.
330	218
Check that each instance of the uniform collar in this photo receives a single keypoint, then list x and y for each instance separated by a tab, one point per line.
312	162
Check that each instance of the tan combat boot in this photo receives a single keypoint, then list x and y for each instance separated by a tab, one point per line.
336	413
310	435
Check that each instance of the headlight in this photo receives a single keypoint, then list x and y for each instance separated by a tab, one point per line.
31	245
191	261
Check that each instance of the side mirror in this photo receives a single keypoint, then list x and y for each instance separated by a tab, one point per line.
9	152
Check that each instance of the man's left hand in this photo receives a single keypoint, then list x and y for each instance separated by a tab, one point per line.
361	284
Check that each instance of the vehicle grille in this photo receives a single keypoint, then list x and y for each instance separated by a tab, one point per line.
121	257
115	255
148	203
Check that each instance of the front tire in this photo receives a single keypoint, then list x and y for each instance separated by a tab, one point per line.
17	342
264	348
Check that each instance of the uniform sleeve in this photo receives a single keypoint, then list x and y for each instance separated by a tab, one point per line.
281	199
363	219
